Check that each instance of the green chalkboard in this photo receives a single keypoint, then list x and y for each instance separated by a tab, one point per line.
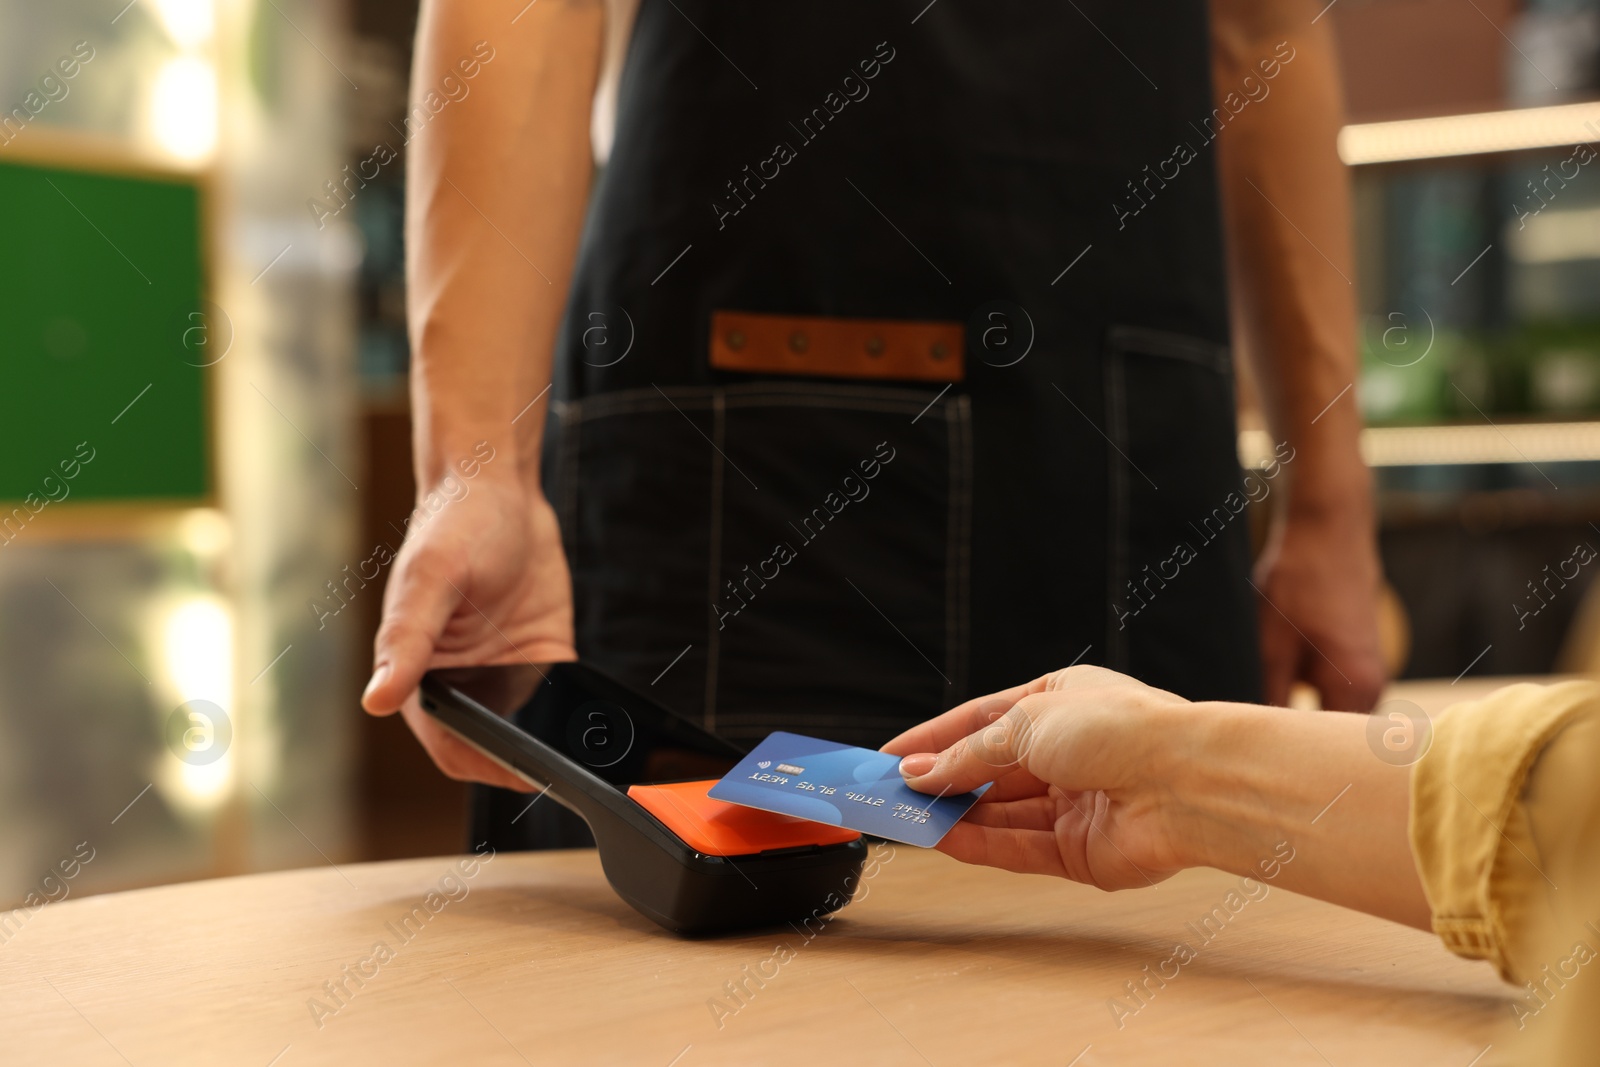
102	307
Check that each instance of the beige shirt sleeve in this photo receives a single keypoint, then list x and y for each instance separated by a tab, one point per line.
1504	808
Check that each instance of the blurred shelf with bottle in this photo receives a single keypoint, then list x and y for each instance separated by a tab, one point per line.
1472	137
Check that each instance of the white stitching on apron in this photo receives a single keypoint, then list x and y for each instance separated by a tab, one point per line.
714	567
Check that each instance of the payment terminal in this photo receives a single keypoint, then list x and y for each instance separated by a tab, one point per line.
638	774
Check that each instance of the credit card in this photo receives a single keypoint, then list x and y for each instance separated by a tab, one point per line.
840	785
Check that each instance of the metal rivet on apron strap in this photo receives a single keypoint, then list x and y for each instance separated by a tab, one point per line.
798	342
939	350
735	340
874	346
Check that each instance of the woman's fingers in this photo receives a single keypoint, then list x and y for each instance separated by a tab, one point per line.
1015	784
1069	759
1033	813
1010	849
993	751
942	731
1087	676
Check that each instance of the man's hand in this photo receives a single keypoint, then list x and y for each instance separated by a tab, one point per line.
1318	605
1291	270
482	581
494	186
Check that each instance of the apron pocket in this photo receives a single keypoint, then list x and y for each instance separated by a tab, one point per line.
1182	612
769	556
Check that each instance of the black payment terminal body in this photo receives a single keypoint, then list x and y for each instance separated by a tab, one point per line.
637	773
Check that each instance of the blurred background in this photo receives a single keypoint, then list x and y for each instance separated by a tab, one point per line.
204	427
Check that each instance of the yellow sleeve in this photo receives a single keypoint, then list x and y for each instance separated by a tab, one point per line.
1503	777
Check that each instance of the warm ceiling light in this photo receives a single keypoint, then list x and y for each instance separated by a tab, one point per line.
183	108
190	23
197	649
1470	135
1475	443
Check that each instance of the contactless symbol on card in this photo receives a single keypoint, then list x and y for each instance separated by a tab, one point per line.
842	786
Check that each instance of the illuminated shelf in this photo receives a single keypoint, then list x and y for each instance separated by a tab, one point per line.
1422	446
1516	130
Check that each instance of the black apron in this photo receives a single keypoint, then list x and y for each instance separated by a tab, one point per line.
1044	174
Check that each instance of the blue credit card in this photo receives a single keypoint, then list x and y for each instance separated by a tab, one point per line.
840	785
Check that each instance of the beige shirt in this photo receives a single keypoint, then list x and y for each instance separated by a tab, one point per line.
1505	830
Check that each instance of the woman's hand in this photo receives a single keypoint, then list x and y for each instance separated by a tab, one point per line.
1104	780
1081	762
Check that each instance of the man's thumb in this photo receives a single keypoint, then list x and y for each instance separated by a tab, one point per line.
415	611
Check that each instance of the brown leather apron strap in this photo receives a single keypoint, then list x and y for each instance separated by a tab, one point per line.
838	348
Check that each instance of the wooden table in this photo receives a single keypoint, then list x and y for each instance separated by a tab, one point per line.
538	962
541	963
